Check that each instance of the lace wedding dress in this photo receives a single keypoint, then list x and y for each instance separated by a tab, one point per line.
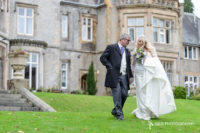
153	90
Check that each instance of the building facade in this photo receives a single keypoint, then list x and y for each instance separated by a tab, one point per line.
64	36
190	61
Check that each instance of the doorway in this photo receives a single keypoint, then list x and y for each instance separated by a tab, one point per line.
84	83
31	71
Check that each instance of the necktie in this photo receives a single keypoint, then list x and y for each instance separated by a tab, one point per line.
122	50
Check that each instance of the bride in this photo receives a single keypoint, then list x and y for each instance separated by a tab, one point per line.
153	90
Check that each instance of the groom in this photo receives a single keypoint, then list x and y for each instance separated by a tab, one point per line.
116	58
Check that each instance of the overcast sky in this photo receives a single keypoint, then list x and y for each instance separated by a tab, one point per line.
196	7
196	4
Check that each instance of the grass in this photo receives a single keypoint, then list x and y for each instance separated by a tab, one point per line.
91	114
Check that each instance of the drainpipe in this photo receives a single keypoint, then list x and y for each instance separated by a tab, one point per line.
179	64
180	46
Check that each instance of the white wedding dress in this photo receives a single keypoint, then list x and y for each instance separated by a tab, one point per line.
153	90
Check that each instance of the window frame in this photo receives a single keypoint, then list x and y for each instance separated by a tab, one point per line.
189	83
31	63
25	17
135	26
67	26
86	27
66	75
163	27
186	53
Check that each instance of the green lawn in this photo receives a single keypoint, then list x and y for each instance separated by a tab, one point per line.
81	113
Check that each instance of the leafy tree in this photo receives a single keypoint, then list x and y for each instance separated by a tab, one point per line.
91	83
188	6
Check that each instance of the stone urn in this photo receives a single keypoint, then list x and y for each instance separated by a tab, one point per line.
18	60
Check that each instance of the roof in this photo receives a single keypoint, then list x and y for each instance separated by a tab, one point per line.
191	29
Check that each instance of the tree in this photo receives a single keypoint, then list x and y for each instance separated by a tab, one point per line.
91	83
188	6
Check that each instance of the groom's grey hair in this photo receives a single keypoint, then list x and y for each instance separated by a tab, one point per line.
124	36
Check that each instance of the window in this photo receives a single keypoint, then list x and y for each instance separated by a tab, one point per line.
135	27
1	4
190	52
64	70
191	83
87	29
25	21
167	65
31	70
161	31
64	26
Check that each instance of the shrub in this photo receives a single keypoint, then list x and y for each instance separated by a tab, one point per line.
78	92
198	90
180	92
196	97
53	90
91	83
191	94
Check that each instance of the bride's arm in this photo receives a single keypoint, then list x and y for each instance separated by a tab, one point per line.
133	64
154	52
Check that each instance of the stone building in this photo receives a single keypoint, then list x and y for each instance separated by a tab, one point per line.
64	36
4	43
190	61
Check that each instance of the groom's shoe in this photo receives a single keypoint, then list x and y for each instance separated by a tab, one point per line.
120	118
114	114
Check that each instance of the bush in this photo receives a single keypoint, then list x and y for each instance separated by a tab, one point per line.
78	92
53	90
180	92
198	90
191	94
91	83
196	97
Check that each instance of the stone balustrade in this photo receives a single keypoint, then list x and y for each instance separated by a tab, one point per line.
160	3
166	3
131	2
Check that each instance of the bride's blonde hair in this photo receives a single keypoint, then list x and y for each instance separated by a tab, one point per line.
145	45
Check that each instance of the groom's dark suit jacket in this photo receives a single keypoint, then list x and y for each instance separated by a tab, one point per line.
111	58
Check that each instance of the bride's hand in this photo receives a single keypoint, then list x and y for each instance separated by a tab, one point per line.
130	80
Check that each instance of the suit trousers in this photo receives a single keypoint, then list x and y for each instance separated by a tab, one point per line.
120	94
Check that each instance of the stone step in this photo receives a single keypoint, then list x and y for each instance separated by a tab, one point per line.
30	109
4	91
10	95
15	104
10	108
12	99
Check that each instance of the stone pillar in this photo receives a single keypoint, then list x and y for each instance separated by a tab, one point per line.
15	84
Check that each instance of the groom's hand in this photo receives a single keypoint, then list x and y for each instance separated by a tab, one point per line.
130	80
